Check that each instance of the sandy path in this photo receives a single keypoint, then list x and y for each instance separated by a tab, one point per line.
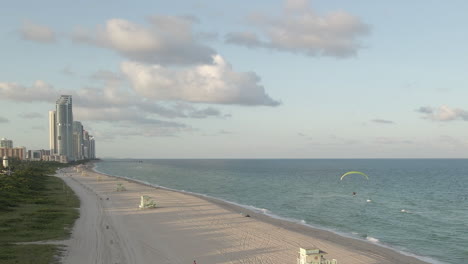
184	228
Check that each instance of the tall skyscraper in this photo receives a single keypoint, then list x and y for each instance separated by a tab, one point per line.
86	145
64	126
52	133
78	140
68	140
92	148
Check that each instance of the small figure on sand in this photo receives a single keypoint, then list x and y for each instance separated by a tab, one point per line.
194	262
354	193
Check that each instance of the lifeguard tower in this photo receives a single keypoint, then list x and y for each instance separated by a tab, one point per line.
146	202
313	256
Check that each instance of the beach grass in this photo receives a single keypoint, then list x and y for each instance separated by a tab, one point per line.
34	207
37	254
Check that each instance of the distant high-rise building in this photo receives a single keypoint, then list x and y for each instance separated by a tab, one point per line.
64	127
52	133
6	143
92	148
19	152
68	141
86	144
78	140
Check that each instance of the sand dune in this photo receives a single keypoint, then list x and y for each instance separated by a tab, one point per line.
184	228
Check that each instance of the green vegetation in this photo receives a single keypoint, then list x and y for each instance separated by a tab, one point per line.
34	207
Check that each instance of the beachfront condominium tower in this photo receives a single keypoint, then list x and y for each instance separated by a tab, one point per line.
52	133
86	144
92	148
64	126
89	146
78	143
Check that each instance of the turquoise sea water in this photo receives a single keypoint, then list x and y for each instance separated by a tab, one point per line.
415	206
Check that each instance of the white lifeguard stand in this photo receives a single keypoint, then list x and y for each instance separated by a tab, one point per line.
120	187
313	256
146	202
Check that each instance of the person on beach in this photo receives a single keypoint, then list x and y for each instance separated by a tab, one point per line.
194	262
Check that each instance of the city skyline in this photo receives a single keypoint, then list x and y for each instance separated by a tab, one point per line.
68	140
67	136
269	79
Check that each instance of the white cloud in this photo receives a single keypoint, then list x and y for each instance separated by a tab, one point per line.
130	121
248	39
203	113
166	40
443	113
217	83
112	114
39	91
36	32
110	103
132	114
115	97
300	30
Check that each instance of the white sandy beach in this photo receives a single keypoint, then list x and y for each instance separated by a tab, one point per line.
184	228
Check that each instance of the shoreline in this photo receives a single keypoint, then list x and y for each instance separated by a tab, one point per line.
284	236
294	225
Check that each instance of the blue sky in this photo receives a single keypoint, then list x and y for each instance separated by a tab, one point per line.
235	79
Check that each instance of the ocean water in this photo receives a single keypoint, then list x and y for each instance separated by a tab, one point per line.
416	206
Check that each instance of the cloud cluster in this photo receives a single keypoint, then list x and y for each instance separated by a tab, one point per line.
40	91
168	71
168	62
443	113
217	83
300	30
114	97
111	103
35	32
166	40
115	114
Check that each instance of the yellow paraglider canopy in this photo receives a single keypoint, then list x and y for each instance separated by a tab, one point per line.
354	172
